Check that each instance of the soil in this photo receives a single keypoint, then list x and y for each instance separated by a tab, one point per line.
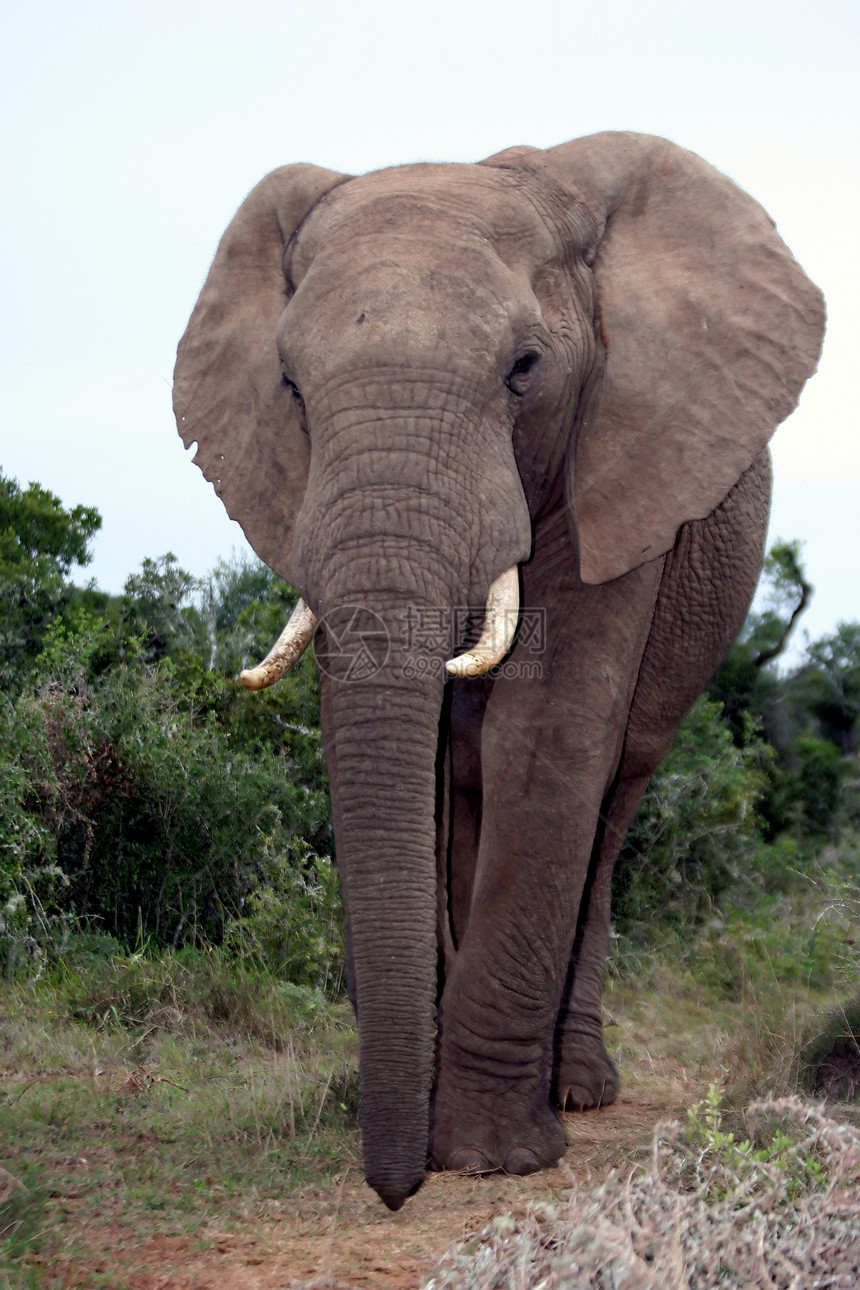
343	1238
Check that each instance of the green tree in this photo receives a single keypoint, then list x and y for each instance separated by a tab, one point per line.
833	686
245	606
158	607
808	714
40	542
815	789
746	683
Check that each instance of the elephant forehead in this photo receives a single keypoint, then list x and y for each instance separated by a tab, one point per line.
461	203
381	297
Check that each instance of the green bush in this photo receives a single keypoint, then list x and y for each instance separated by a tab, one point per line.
697	832
291	923
32	885
145	811
144	794
804	794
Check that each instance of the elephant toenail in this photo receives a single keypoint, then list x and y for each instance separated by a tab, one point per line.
576	1099
520	1160
468	1160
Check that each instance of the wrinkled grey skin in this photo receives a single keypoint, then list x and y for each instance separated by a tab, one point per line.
401	385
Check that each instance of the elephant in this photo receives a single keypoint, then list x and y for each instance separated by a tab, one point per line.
504	426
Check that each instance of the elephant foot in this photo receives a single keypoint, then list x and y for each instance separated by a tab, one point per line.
585	1081
504	1146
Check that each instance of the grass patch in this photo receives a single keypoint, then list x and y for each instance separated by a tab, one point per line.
151	1095
752	988
161	1095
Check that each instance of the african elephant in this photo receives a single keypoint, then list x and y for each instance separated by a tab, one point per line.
547	379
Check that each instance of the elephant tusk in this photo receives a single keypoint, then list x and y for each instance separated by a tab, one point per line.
287	650
500	624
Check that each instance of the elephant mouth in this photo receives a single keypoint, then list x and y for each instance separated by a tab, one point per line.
500	623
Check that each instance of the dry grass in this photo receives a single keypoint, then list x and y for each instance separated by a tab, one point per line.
705	1211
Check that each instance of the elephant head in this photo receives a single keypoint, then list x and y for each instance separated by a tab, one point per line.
391	380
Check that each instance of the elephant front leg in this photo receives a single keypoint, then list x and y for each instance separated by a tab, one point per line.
551	743
492	1099
491	1106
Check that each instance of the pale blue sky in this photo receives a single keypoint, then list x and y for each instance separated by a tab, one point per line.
132	132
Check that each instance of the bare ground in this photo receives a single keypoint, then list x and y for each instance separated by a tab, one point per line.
342	1236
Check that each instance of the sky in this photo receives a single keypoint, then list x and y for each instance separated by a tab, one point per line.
133	131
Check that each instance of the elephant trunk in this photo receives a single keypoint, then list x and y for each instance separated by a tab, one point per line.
383	747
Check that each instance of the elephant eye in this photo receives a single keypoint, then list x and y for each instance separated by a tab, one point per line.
296	393
518	377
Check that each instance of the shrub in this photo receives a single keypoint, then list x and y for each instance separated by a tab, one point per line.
778	1208
697	832
128	794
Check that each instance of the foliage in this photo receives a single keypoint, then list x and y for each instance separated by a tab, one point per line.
179	992
157	607
140	789
40	542
804	794
800	1168
144	793
832	681
38	536
225	620
697	832
291	921
786	596
244	606
159	826
809	715
746	683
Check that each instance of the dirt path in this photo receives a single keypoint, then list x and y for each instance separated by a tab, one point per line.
343	1237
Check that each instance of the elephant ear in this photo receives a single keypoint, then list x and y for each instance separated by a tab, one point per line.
228	393
710	329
